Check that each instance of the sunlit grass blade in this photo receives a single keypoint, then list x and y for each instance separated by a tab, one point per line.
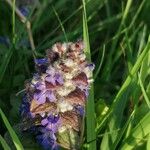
133	71
12	133
119	103
144	92
137	134
125	130
126	83
90	113
4	143
148	142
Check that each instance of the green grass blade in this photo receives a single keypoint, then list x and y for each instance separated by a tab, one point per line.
5	61
119	101
126	129
126	11
148	142
90	113
126	84
133	71
144	92
138	133
13	22
4	143
100	64
60	22
109	65
12	133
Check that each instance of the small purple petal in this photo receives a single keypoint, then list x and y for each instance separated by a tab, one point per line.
40	97
41	61
91	66
50	95
47	139
53	118
84	89
50	71
80	110
59	78
25	106
52	127
40	86
44	122
52	122
32	115
50	79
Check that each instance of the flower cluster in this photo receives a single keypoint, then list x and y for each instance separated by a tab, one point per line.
56	95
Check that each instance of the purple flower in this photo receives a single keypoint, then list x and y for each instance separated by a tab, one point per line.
50	95
91	66
54	78
42	96
80	110
47	139
51	123
58	78
50	79
61	86
84	89
41	65
25	106
40	86
50	70
41	61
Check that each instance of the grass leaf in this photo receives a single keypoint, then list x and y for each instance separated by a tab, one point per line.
12	133
138	133
4	143
90	113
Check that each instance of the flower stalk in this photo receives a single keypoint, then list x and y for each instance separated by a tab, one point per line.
56	96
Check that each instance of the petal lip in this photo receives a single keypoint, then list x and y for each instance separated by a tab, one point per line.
44	122
40	97
41	61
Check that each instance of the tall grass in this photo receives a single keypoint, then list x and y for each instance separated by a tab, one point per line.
90	113
116	36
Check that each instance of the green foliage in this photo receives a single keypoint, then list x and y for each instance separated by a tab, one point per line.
90	114
116	36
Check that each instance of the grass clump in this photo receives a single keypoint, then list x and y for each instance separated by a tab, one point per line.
116	35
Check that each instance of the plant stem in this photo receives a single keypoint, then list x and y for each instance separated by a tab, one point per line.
27	23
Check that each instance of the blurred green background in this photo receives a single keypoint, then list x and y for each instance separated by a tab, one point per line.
118	34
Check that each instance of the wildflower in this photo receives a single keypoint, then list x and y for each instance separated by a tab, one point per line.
56	95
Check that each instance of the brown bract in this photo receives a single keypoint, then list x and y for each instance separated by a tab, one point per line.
36	108
76	97
71	119
81	79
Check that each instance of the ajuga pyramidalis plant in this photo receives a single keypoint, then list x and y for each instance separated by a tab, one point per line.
54	102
